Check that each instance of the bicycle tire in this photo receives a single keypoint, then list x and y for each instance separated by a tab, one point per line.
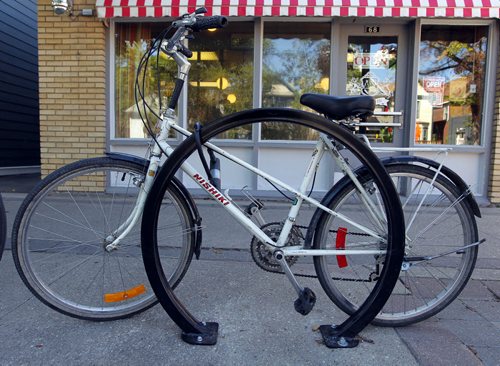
3	227
395	225
59	239
425	288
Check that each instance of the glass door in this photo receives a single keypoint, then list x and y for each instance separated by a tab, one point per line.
376	64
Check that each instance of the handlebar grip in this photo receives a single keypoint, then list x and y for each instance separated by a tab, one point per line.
203	23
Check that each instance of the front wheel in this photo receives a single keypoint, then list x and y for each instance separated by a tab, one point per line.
62	233
438	220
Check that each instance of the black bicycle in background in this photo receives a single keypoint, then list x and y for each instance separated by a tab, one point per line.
3	227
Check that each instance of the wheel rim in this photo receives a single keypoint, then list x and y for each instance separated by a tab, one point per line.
420	294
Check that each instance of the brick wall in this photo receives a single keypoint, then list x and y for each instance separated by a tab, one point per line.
72	86
494	186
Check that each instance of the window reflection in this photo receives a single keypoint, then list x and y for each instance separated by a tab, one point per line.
451	84
296	60
131	42
221	76
371	70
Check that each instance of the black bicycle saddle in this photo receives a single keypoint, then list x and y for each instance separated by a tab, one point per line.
338	108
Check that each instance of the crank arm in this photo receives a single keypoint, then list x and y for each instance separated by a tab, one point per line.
280	257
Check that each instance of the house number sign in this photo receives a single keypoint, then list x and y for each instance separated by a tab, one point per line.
372	29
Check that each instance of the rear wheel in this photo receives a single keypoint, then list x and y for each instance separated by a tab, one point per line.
438	221
63	229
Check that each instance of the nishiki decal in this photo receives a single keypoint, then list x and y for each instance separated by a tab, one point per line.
211	189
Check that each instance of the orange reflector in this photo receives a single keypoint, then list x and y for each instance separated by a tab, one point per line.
340	244
125	295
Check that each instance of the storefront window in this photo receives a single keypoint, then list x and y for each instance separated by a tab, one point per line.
131	42
296	60
451	84
221	76
371	70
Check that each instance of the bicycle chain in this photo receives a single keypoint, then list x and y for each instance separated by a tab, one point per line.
309	275
334	231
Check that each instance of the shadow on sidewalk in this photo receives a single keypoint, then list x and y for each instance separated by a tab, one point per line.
20	183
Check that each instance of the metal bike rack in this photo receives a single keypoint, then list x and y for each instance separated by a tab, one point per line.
198	332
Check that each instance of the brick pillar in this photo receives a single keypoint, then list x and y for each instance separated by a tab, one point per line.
494	185
72	66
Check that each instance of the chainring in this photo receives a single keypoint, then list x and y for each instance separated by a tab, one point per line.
263	256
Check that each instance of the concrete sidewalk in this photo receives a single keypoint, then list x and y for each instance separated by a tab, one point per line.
258	325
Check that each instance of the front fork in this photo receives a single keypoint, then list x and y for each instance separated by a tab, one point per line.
112	241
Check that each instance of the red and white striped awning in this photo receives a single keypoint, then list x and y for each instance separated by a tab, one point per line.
354	8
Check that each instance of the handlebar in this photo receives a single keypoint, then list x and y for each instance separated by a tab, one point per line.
203	23
173	47
196	23
193	23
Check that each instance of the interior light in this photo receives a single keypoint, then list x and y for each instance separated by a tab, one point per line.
220	83
350	57
324	84
205	56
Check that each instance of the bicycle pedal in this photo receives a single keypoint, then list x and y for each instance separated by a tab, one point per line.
306	301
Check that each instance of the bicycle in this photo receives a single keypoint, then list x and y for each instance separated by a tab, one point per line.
460	207
3	227
382	251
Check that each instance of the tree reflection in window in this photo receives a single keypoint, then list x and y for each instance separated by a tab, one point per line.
221	76
451	84
296	60
131	42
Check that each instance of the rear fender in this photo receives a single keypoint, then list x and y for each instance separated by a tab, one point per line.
445	171
462	187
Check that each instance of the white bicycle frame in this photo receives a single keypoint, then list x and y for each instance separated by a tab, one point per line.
323	144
